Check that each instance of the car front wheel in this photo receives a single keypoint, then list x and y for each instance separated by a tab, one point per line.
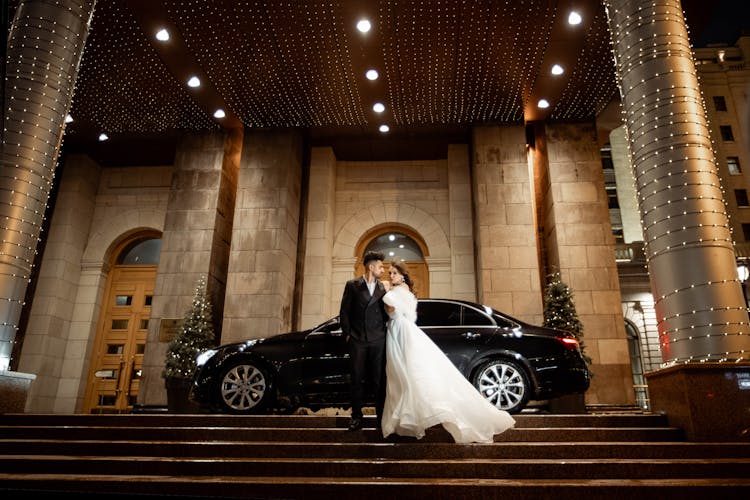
245	387
504	384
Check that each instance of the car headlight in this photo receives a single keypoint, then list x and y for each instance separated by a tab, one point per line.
203	357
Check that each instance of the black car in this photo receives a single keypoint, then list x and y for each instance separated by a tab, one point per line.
510	362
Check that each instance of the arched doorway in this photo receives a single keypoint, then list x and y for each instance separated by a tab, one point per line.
116	363
636	365
400	243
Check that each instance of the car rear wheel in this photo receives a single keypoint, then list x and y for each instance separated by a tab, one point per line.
245	387
504	384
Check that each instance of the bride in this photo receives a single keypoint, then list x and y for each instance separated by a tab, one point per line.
424	388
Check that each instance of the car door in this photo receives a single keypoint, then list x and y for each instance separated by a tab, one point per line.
443	321
324	363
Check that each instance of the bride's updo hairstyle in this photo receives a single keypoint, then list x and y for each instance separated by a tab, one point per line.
401	268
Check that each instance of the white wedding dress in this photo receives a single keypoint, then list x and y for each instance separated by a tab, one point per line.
424	388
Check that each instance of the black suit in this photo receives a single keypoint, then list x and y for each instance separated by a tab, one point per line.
363	320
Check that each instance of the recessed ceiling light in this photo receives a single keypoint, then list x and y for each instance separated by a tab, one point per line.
162	35
391	237
68	118
378	107
364	25
384	128
372	74
194	82
103	137
219	113
574	18
543	103
557	70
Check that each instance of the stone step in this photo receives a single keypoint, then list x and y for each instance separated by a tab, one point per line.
379	467
305	421
341	434
365	488
645	450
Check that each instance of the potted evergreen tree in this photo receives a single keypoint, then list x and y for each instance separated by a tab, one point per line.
196	334
560	313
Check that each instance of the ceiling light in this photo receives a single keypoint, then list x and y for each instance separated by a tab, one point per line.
574	18
391	237
194	82
364	25
371	74
384	128
103	137
557	70
68	118
219	113
543	103
378	107
162	35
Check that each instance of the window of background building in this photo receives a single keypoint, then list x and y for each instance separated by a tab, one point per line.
741	196
726	133
720	104
733	164
746	231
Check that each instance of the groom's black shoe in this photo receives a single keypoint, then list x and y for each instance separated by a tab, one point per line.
355	423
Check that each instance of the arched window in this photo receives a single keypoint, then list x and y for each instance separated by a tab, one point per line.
143	252
396	246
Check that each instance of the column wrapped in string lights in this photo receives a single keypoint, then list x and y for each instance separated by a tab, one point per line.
45	45
691	260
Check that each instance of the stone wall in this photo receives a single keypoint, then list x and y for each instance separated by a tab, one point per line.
504	223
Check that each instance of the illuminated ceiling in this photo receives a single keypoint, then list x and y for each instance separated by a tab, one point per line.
443	65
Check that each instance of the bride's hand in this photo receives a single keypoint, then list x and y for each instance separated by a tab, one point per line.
387	285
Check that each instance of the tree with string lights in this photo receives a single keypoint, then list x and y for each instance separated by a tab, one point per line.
560	311
196	334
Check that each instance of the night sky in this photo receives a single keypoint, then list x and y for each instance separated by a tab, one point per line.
716	21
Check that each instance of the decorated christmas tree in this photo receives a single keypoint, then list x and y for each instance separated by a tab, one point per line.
560	311
195	335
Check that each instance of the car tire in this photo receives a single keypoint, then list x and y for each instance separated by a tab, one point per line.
504	384
245	387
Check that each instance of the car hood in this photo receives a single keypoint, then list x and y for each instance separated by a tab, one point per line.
283	338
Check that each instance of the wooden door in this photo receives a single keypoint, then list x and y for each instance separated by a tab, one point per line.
117	361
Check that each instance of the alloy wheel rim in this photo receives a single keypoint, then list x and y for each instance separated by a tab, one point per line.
243	387
502	385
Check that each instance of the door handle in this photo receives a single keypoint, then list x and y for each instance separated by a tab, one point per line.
470	335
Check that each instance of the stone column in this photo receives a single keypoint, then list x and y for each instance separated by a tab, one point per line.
691	261
462	266
508	269
194	228
45	45
262	263
580	246
321	209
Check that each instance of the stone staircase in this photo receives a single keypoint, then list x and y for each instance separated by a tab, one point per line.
607	455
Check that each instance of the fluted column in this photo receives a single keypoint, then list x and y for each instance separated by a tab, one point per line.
45	45
691	260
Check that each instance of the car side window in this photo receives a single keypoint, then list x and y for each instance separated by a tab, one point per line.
502	322
472	317
438	314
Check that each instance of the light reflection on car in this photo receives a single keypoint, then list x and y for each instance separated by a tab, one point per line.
508	361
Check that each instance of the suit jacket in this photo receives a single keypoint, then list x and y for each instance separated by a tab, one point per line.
362	316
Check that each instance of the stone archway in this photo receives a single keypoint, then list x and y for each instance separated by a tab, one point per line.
422	223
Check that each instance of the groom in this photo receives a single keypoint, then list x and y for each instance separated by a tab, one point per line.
363	321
